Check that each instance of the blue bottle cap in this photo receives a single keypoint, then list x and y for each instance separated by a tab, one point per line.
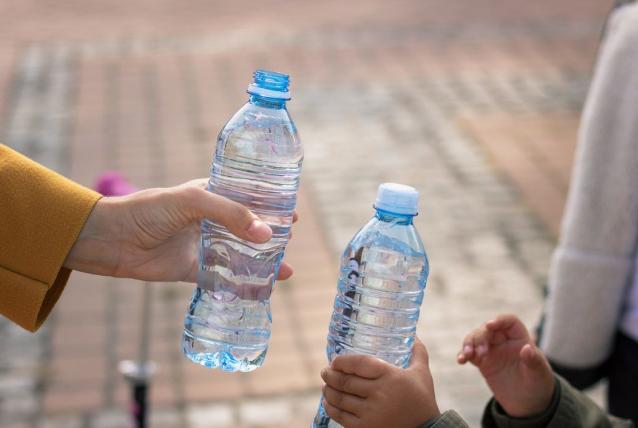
270	84
397	198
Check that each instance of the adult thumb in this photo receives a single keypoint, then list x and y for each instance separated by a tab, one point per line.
235	217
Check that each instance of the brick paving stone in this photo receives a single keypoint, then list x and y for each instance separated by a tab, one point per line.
533	170
111	418
8	55
265	412
72	421
19	405
163	418
211	416
72	399
208	390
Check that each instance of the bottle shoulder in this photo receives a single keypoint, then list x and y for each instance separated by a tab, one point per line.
255	116
261	133
404	237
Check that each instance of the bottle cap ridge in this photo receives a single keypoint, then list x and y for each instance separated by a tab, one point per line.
270	84
397	198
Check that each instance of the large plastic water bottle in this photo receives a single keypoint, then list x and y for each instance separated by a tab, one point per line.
257	163
382	279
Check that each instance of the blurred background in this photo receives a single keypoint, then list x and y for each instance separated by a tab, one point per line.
475	103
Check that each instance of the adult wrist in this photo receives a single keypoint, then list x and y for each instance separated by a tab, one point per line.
96	250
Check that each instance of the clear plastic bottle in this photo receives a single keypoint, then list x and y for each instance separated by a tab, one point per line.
257	163
381	284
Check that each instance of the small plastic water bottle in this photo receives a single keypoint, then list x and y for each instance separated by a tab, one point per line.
257	163
381	283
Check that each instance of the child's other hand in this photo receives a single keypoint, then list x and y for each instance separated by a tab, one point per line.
516	371
363	391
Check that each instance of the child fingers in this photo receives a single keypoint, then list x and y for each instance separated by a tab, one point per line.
466	353
342	417
351	384
510	325
342	401
481	342
360	365
475	345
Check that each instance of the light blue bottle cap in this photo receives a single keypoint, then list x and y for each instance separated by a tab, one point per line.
397	198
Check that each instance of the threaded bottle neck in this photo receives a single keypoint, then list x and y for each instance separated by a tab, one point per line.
259	101
269	89
390	217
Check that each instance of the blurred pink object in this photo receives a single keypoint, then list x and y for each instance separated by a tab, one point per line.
112	183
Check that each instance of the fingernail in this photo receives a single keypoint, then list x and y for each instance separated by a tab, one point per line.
259	230
467	349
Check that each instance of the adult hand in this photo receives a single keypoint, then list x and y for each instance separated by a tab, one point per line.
363	391
153	235
516	371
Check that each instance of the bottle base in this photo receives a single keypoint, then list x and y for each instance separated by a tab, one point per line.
224	356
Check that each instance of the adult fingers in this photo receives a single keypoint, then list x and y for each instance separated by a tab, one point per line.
344	418
360	365
343	401
234	216
351	384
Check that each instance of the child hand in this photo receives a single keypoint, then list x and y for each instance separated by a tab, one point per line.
516	371
363	391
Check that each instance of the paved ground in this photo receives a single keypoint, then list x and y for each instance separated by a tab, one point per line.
474	103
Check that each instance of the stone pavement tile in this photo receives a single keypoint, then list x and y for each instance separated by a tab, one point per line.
19	406
15	384
211	416
72	399
200	391
277	377
165	418
201	384
164	394
72	421
77	340
267	412
8	55
111	418
92	140
505	139
75	370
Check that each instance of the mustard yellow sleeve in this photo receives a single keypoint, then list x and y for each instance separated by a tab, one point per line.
41	215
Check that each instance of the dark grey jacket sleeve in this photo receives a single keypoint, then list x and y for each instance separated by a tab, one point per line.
570	408
449	419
